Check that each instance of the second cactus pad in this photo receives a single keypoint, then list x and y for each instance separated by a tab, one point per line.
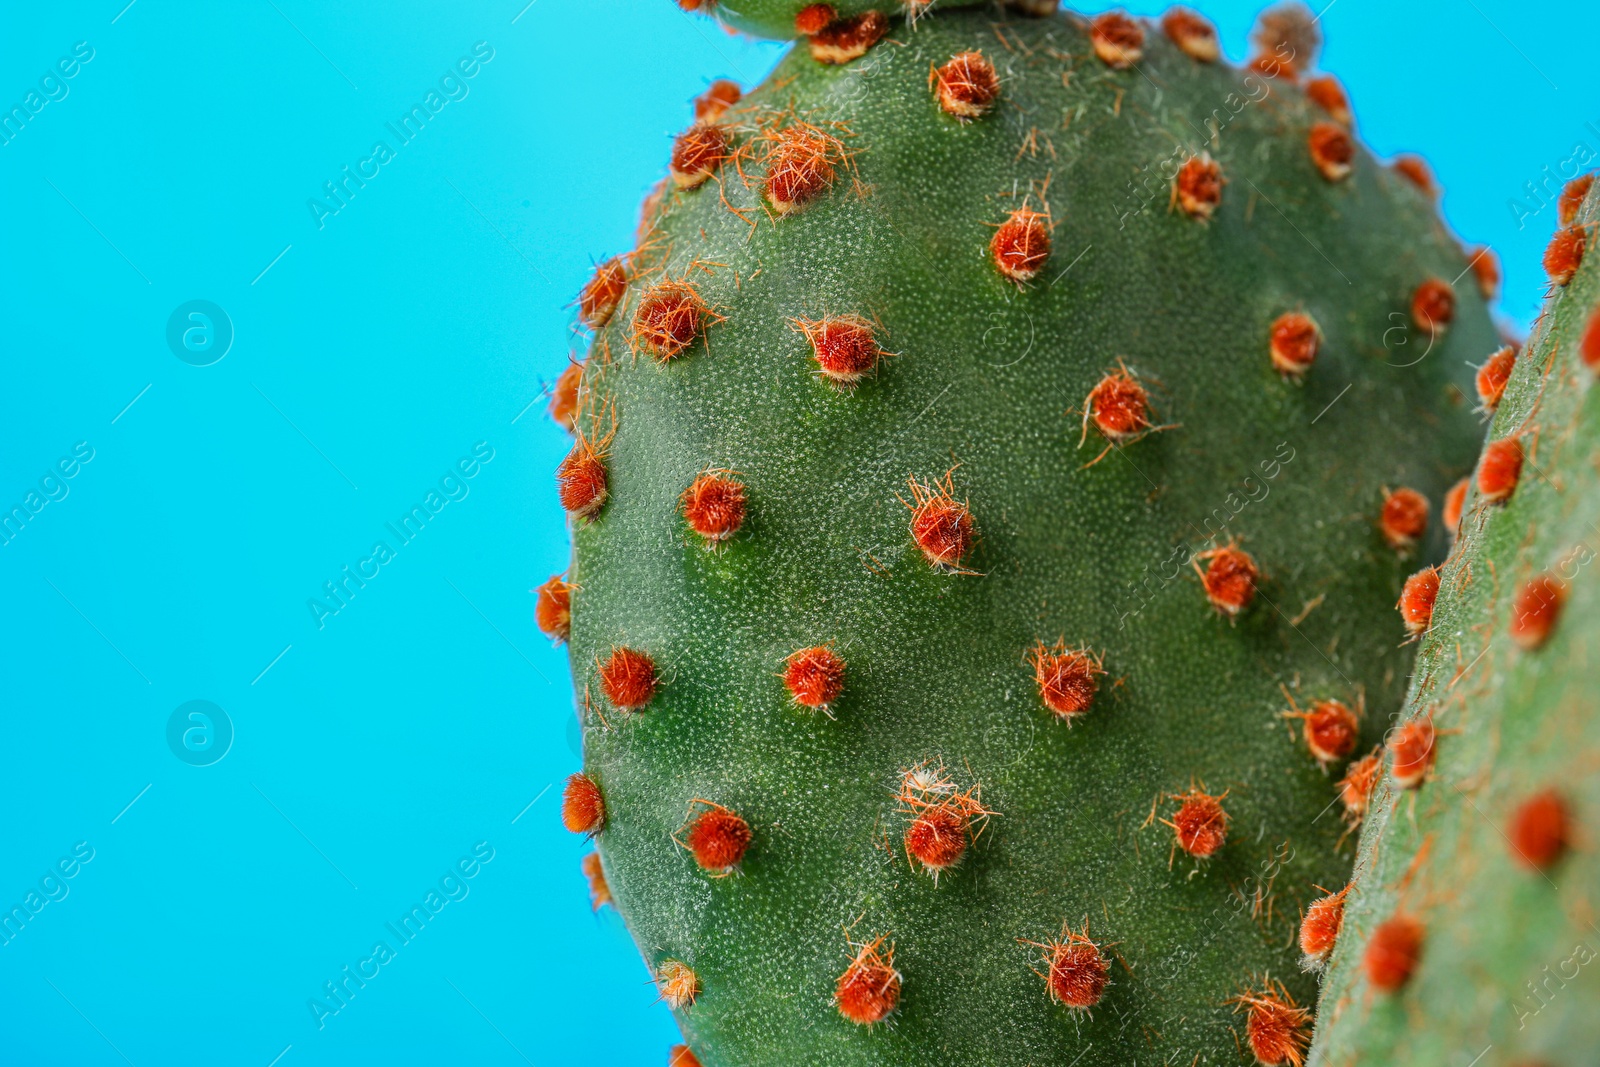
997	468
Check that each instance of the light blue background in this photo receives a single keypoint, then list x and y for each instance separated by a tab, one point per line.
369	356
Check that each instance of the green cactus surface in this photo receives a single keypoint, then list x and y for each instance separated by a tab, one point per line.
1080	529
1491	856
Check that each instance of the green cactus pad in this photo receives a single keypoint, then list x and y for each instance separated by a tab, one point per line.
1071	539
1509	949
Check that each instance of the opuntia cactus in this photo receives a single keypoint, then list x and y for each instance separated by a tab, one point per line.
1467	933
995	471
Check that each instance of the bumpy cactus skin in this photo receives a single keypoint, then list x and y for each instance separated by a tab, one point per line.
1492	855
991	377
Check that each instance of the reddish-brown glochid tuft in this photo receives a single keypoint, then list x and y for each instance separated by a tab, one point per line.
869	988
1067	678
1411	750
564	397
1493	376
1355	788
1416	600
602	292
682	1056
966	86
1535	610
1589	346
941	525
848	39
1540	830
1572	197
1500	469
719	96
813	18
628	678
599	888
1200	825
668	319
1021	244
1078	970
1332	150
1326	92
1433	306
1294	341
1276	1028
552	610
697	153
1194	35
1393	952
1319	928
1415	170
814	677
713	505
1229	578
1564	254
1197	188
582	481
1404	519
1486	267
583	809
717	837
801	163
1117	40
678	983
845	347
1330	729
1119	407
1454	500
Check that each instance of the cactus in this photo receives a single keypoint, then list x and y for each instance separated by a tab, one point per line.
995	470
1468	931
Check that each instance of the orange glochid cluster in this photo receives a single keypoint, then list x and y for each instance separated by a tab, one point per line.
716	836
1393	952
583	809
869	988
1326	92
814	677
844	347
845	40
1415	170
628	679
813	18
677	983
1076	970
599	888
941	525
669	319
1330	729
1021	244
1411	752
1589	345
1572	197
1229	578
1499	469
1535	609
1117	40
1454	501
602	292
552	610
1200	825
802	161
1294	341
1540	830
1197	187
697	153
1416	600
1119	408
1332	150
1068	678
1404	518
713	505
1276	1028
564	397
1433	306
1564	254
1194	35
1355	788
966	86
1486	268
582	479
1319	928
1493	376
719	96
943	821
682	1056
